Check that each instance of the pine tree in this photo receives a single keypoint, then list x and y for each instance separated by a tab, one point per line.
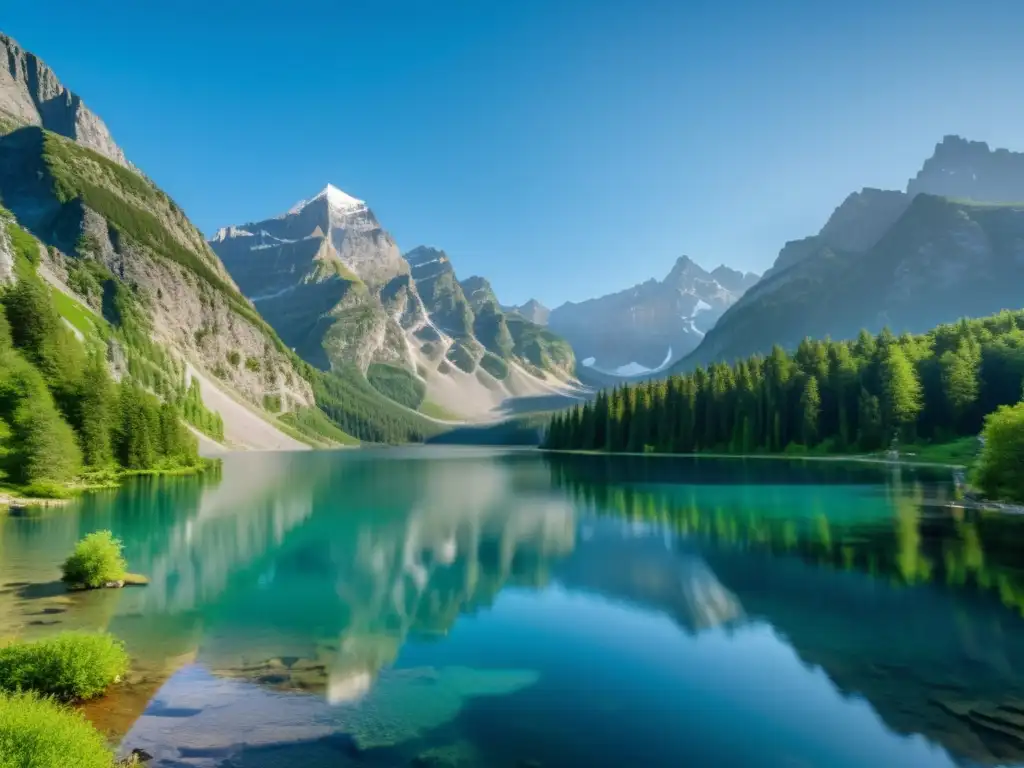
96	413
960	378
901	389
810	409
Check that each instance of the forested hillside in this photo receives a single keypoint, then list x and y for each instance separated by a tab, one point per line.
826	396
61	412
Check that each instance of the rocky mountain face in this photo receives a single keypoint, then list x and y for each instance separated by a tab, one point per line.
959	168
646	328
122	248
334	285
948	247
31	94
110	233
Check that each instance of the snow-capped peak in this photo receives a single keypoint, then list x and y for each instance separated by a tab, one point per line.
336	199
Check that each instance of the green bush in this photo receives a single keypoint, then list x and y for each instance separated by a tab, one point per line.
73	666
999	472
96	560
234	358
252	364
38	733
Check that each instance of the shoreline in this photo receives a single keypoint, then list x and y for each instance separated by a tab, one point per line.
15	498
858	458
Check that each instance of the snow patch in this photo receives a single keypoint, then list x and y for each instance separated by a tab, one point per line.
631	369
336	199
693	328
702	306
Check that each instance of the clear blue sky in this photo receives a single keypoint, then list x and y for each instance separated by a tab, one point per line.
561	148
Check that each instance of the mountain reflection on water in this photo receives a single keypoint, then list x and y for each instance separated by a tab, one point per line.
458	607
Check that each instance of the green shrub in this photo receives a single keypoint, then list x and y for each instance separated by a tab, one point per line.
252	364
234	358
73	666
96	560
999	472
272	403
38	733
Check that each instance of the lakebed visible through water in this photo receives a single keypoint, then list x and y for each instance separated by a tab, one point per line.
465	607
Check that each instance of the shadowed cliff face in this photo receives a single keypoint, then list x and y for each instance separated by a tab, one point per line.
31	94
969	170
903	259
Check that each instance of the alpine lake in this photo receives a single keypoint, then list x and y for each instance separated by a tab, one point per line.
474	607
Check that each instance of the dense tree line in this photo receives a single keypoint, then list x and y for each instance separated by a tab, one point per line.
825	396
60	410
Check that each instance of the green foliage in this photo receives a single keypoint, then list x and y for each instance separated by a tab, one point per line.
252	364
272	403
39	733
149	433
1000	469
199	416
311	423
26	248
86	276
96	406
522	430
397	384
43	442
539	347
96	560
234	358
435	411
117	193
901	389
72	666
839	396
353	404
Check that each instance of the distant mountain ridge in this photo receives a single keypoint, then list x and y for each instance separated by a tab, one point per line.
949	246
644	329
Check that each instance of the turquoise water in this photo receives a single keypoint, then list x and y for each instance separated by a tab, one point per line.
463	607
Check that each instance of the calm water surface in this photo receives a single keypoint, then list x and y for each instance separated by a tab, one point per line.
458	607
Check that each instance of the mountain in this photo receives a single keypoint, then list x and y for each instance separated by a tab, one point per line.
532	310
131	274
333	284
946	248
647	327
31	94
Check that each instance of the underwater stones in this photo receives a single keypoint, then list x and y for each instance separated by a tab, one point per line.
406	703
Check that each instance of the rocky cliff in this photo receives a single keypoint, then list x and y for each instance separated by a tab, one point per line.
969	170
130	254
31	94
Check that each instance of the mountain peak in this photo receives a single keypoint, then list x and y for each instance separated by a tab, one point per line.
336	199
685	267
